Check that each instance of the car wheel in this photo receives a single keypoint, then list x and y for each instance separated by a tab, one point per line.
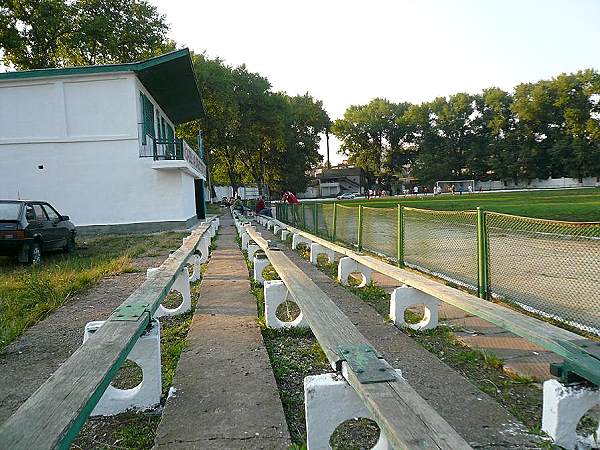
35	253
70	247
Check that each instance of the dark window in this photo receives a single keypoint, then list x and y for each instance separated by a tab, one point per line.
9	211
39	212
52	215
147	118
29	213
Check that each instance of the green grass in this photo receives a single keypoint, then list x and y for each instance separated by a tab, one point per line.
560	204
30	293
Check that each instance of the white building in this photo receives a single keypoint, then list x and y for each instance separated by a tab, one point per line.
98	143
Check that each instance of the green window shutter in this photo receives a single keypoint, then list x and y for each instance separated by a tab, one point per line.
170	133
147	117
163	134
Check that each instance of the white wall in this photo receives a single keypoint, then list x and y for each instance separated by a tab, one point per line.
83	133
97	182
556	183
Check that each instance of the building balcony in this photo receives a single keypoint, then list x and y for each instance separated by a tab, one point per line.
173	154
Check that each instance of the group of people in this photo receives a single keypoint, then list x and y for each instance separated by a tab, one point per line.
260	207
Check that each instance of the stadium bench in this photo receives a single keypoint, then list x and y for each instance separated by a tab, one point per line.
54	414
582	356
406	419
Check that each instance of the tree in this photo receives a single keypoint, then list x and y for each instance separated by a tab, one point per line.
366	132
33	32
36	34
252	134
109	31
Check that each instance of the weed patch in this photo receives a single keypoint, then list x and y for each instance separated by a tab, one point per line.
29	293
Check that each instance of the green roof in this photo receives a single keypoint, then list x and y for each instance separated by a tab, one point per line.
169	78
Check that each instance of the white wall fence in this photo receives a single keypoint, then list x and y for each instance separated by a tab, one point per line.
536	183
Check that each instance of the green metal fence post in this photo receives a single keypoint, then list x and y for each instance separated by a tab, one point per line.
400	237
334	225
360	227
315	218
483	259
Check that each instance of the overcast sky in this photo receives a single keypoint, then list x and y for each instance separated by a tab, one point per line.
348	52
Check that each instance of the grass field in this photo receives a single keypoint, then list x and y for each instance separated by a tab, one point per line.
564	204
30	293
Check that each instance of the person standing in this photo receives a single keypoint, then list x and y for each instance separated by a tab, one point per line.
260	205
291	200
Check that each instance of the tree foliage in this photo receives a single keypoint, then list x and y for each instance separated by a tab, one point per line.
36	34
255	135
548	128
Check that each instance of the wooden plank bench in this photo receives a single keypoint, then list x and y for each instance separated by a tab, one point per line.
582	355
54	414
405	418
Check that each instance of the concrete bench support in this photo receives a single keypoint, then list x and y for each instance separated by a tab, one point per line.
260	262
329	401
204	249
195	261
275	294
181	285
245	240
298	239
347	266
252	248
317	249
146	354
285	234
563	407
403	298
277	229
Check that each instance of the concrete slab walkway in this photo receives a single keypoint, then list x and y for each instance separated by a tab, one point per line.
226	396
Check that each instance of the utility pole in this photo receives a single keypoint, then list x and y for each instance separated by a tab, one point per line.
327	139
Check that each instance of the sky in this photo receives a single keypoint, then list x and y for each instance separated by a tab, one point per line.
348	52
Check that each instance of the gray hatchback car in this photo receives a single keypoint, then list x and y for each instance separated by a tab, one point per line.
28	228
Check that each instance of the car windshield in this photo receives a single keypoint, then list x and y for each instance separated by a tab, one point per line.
9	211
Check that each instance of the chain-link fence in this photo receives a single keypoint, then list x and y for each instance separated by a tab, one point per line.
346	226
325	219
308	215
550	268
443	243
380	230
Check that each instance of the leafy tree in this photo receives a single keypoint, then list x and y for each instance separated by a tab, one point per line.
108	31
251	134
33	32
36	34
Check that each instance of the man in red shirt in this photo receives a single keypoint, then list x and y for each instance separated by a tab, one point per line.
289	198
260	205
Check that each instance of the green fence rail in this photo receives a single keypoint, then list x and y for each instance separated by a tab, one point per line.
550	268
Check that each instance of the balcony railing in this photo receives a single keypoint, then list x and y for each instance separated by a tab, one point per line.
169	150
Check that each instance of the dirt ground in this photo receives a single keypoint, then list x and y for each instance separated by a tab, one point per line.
28	362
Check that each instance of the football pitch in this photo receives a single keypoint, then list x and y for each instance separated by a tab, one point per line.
582	205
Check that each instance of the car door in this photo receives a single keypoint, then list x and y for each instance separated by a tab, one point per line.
58	227
45	228
35	224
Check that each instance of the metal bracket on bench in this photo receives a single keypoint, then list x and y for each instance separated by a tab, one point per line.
577	368
366	363
132	311
272	245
